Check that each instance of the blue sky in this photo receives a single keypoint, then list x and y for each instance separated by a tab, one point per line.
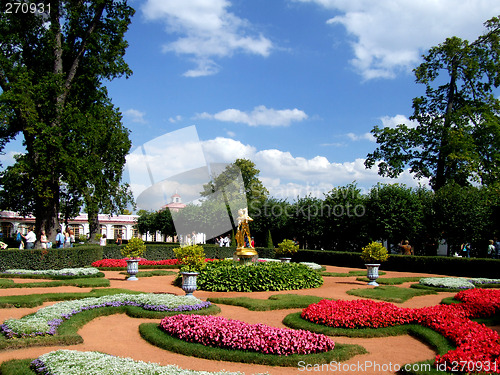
294	85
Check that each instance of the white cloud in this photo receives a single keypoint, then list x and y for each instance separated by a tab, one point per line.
390	36
135	115
289	176
175	119
392	122
207	30
362	137
259	116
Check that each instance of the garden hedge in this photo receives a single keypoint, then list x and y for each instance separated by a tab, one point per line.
84	255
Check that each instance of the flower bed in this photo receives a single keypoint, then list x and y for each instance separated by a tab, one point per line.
221	332
456	282
356	314
142	262
62	272
72	362
478	346
46	320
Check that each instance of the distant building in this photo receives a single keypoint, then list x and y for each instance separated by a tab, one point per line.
175	205
112	226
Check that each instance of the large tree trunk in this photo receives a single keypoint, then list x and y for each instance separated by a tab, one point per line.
441	173
47	214
93	219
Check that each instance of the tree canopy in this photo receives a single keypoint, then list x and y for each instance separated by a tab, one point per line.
52	65
457	136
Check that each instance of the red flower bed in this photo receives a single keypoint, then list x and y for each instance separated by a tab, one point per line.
221	332
356	314
142	262
478	347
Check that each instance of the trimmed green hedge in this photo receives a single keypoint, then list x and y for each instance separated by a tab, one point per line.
47	259
84	255
440	265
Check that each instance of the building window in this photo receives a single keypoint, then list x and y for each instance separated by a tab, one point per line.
77	230
118	231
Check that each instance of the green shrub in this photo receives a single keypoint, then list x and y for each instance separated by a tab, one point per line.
135	248
191	257
374	252
228	276
287	247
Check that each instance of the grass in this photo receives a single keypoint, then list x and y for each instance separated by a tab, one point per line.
80	283
392	280
152	273
17	367
34	300
347	274
389	293
152	333
274	302
50	277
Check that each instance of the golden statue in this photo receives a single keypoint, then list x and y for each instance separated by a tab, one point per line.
243	236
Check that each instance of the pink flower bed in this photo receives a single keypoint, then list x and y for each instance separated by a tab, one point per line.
226	333
478	347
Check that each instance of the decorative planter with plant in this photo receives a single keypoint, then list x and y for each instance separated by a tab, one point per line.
286	249
373	254
192	261
133	251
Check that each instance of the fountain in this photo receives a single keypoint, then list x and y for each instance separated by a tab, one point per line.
245	251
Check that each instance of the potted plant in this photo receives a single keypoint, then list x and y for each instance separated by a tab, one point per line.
373	254
134	249
285	249
192	260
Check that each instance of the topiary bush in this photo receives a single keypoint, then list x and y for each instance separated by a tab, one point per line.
374	252
229	276
191	258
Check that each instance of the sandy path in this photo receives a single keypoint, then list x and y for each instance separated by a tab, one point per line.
118	334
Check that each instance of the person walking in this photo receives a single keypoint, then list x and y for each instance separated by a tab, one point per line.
465	249
59	238
491	249
30	238
497	248
43	240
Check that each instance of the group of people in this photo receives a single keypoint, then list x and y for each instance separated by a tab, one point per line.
494	249
66	239
223	241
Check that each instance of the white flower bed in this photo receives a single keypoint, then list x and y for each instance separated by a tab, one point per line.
71	362
314	266
456	282
46	320
62	272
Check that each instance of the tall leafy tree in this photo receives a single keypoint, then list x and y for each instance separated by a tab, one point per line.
52	64
457	137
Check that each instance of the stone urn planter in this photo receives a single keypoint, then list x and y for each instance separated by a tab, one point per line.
132	269
373	254
372	273
132	253
189	282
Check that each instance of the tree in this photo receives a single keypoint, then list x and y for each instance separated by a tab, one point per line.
97	145
344	217
457	137
395	213
52	63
